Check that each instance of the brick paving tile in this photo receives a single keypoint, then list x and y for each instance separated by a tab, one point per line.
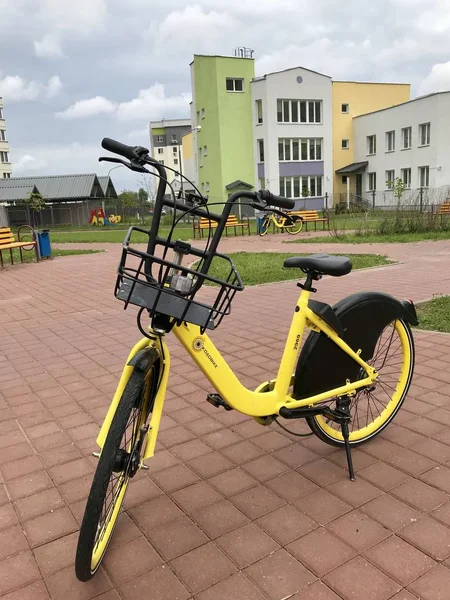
56	555
279	575
70	470
323	472
358	530
438	477
442	514
232	482
63	585
433	449
210	464
37	504
196	496
18	571
201	427
320	551
54	440
428	535
190	450
219	518
175	478
291	486
391	513
420	495
237	586
13	541
295	455
286	524
8	517
316	591
35	591
243	452
356	492
383	475
177	538
163	459
155	513
130	560
50	526
404	595
76	489
139	490
201	568
398	559
322	506
159	584
257	502
434	585
111	595
246	545
358	579
29	484
174	436
271	441
425	426
21	467
65	454
265	467
125	531
15	452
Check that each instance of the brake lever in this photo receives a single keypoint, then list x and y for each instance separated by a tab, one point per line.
132	165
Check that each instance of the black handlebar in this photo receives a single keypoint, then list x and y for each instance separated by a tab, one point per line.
273	200
119	148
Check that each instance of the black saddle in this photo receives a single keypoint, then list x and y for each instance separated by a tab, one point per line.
324	264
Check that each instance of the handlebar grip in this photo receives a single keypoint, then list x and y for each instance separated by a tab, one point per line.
276	200
119	148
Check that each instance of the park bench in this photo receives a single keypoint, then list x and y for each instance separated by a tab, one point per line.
199	225
312	216
443	210
8	242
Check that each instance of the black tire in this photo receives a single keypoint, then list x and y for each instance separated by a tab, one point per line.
318	431
136	395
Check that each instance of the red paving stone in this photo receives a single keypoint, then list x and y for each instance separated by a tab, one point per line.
227	509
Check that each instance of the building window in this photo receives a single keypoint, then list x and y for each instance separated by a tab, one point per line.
198	117
203	113
175	149
424	134
262	183
372	178
261	150
203	187
390	141
303	149
371	144
234	85
205	150
1	112
406	177
200	156
406	138
301	187
345	144
4	158
424	176
344	108
175	161
259	114
161	161
390	180
344	179
2	135
207	186
173	139
6	175
160	139
160	150
299	111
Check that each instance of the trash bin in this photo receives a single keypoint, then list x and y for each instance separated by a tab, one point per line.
260	220
45	249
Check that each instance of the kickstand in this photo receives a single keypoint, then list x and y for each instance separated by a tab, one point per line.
345	434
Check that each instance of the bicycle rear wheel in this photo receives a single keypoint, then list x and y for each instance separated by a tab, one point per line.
119	461
296	227
372	409
264	227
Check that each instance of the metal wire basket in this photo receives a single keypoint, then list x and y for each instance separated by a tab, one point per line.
157	281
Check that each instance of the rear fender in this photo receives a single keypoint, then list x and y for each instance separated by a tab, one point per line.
322	365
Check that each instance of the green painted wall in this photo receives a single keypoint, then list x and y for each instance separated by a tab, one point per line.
227	127
158	130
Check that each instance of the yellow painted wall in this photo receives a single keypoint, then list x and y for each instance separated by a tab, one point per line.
361	98
188	149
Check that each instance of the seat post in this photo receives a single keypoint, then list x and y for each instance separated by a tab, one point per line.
310	277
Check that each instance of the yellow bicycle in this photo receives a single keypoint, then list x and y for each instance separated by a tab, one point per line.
291	223
348	380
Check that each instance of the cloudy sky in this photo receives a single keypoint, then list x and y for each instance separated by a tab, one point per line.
72	72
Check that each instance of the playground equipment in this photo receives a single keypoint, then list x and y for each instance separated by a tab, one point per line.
98	218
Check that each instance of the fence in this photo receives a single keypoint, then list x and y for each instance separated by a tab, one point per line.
420	199
4	221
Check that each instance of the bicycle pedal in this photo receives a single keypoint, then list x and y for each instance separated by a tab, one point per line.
218	401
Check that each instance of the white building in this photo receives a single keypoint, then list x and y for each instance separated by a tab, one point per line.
410	141
166	143
293	135
5	164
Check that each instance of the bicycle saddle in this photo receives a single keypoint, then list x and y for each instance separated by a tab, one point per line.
320	263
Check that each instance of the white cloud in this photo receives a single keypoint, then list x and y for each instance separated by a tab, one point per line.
151	103
437	80
81	17
48	47
88	108
17	89
27	163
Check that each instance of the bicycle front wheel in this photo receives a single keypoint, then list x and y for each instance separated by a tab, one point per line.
118	463
296	227
264	227
373	408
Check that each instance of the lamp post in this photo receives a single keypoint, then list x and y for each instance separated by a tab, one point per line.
111	169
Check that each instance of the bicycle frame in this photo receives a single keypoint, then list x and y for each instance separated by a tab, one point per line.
267	399
279	222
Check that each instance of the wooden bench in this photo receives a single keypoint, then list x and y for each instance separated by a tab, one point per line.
8	242
312	216
444	209
199	225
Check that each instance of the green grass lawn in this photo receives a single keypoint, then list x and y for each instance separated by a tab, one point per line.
435	314
29	255
352	238
267	267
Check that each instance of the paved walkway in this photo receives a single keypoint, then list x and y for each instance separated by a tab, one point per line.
228	509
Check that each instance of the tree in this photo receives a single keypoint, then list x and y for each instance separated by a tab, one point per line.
398	187
143	196
36	204
128	200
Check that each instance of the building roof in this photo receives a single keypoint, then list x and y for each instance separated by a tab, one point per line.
219	56
403	103
357	167
60	187
170	123
290	69
15	192
239	184
369	82
107	186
